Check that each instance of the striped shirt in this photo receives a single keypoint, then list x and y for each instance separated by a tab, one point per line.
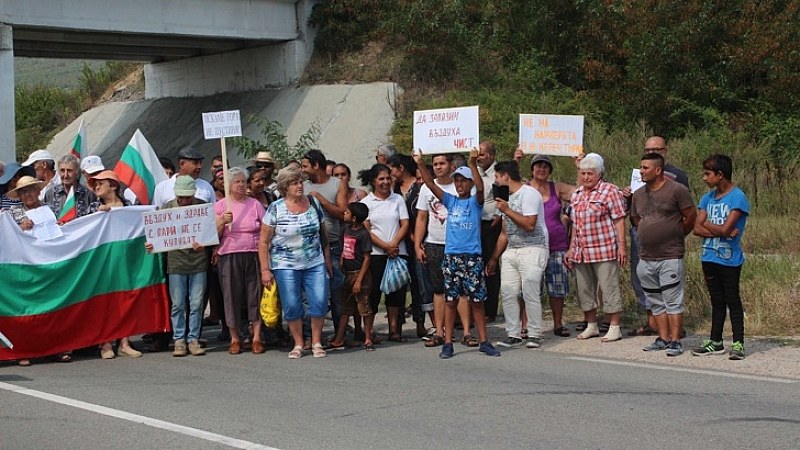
594	238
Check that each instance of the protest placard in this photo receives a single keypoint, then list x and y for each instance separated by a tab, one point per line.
636	180
222	124
178	228
556	135
449	130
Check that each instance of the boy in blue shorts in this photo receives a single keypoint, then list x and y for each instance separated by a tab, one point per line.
462	266
720	222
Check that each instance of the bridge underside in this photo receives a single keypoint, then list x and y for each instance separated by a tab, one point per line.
51	43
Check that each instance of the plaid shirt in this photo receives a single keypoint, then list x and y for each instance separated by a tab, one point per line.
593	213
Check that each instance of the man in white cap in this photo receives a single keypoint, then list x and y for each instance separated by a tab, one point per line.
44	165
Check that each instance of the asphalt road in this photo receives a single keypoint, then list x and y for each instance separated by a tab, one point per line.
400	396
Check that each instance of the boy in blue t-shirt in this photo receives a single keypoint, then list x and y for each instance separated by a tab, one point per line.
720	222
462	266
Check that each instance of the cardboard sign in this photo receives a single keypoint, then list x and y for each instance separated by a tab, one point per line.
551	134
450	130
222	124
179	228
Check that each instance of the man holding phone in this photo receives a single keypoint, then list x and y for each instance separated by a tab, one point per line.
523	245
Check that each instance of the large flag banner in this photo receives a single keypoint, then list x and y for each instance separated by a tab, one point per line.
94	284
140	169
78	149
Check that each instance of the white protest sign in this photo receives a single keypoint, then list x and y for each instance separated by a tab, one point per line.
177	228
448	130
545	134
222	124
636	180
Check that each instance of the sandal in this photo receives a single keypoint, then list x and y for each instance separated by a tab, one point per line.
318	351
369	346
332	346
296	353
581	326
63	358
24	362
435	341
524	333
561	331
397	338
469	341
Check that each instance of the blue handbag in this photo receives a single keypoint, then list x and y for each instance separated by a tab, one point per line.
395	276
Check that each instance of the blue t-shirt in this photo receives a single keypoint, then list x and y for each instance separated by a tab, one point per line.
463	234
722	250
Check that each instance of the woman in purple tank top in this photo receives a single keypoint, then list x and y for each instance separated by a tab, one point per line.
556	274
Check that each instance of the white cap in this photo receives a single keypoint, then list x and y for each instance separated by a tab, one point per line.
92	164
38	155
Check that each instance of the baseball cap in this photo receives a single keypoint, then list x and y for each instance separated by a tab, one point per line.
38	155
464	171
92	164
185	186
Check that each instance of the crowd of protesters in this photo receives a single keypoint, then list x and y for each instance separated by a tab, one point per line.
458	238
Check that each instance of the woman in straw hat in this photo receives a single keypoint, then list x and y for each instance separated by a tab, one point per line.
107	188
27	190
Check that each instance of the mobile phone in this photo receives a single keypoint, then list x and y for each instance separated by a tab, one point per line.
500	192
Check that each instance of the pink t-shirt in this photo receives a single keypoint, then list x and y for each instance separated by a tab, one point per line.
243	235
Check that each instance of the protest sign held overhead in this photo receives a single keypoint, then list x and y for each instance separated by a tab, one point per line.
547	134
178	228
222	124
448	130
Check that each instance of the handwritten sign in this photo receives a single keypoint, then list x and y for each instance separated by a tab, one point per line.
551	134
222	124
448	130
178	228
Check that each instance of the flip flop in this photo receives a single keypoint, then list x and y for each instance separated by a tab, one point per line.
435	341
369	347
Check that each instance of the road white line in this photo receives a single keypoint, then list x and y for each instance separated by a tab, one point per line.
155	423
686	370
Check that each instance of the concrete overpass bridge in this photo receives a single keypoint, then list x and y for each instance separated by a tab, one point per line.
193	47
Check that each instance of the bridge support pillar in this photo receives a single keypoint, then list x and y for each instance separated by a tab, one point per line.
8	147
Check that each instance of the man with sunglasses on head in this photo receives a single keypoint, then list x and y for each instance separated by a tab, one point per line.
653	144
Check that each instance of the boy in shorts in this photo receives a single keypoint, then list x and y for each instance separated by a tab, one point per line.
356	248
463	265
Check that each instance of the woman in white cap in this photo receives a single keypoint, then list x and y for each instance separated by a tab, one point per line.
107	188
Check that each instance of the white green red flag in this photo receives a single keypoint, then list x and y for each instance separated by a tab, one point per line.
95	284
79	144
69	210
140	169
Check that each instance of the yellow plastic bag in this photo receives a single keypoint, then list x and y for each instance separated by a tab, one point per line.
270	306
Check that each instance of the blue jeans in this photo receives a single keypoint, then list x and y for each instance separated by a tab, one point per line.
292	284
181	286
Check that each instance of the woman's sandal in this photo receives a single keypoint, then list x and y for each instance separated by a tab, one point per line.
435	341
296	353
561	331
369	346
318	351
469	341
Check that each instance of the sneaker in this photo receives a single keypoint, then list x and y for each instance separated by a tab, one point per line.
709	348
675	349
658	344
447	351
488	349
737	351
196	348
180	348
534	342
509	342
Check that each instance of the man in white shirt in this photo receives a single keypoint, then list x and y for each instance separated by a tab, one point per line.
190	162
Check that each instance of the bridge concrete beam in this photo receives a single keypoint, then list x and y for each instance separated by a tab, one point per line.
8	146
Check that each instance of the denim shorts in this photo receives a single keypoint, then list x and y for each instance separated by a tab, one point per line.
294	286
463	275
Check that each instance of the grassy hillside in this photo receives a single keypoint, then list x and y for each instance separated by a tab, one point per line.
62	73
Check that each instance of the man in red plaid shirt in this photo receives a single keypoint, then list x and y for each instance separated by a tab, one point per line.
597	246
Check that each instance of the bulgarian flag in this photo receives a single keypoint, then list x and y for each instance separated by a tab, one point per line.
78	149
94	284
70	209
140	169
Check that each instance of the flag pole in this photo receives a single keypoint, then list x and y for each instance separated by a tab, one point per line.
226	181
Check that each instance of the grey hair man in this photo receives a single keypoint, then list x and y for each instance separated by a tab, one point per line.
384	152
